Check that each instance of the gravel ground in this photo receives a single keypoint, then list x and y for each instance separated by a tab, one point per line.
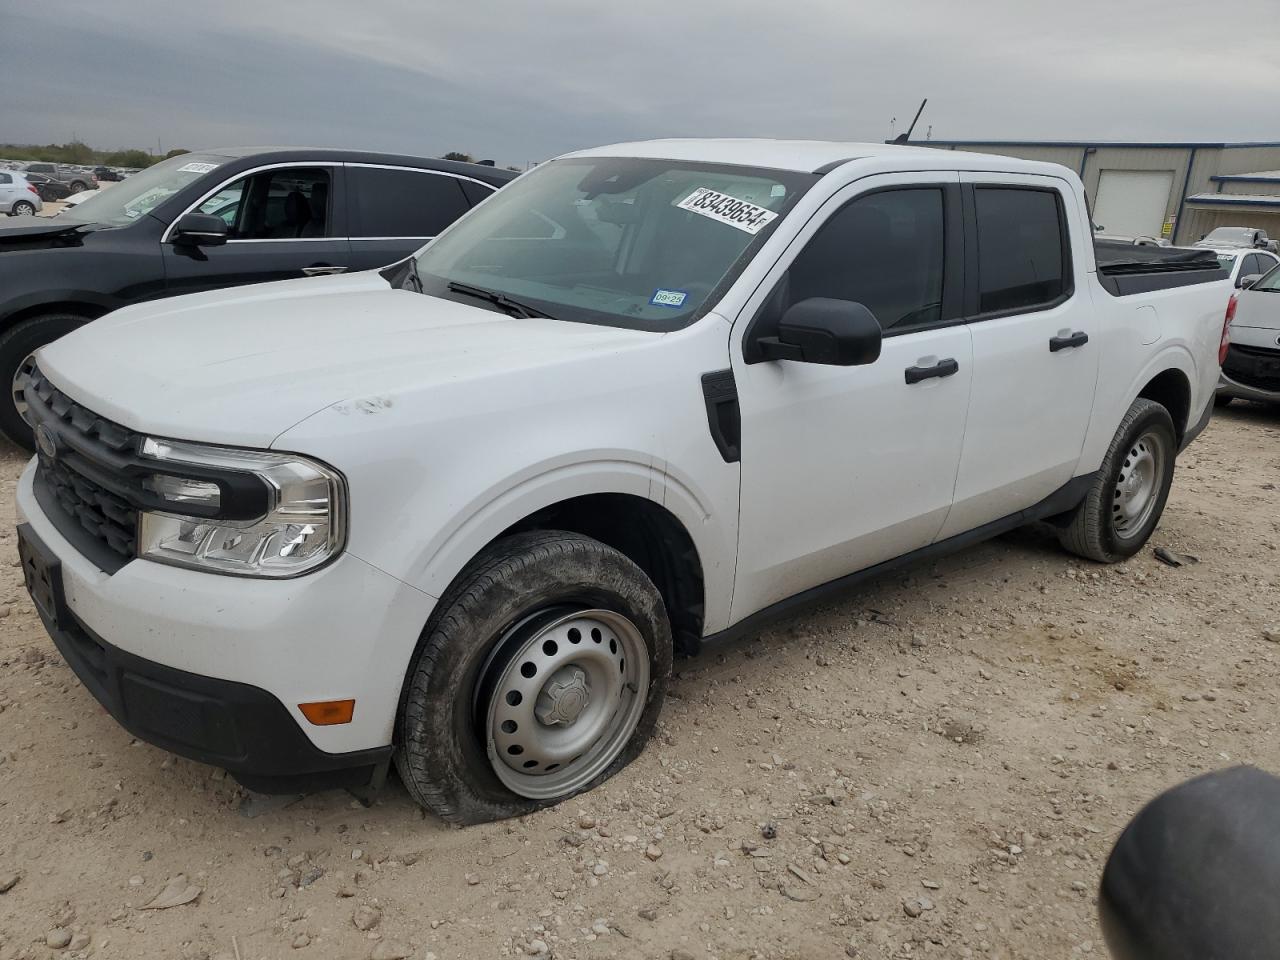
935	768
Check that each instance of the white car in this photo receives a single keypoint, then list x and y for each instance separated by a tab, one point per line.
18	198
460	513
1243	264
1251	369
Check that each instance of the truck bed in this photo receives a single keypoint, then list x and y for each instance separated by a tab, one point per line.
1126	268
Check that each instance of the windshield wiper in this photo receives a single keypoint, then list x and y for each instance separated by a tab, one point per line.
501	300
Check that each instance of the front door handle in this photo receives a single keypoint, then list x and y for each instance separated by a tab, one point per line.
943	368
1077	339
322	270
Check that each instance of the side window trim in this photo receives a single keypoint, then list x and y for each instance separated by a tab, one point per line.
971	293
954	250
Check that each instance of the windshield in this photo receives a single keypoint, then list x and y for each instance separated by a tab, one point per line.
644	244
130	199
1230	236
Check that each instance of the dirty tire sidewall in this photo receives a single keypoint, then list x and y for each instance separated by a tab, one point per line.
440	742
1091	531
16	344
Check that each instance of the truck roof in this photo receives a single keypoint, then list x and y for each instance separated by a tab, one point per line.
814	156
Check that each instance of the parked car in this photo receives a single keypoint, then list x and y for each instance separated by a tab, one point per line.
50	190
459	512
1237	237
218	219
18	197
76	180
1251	368
106	175
1242	264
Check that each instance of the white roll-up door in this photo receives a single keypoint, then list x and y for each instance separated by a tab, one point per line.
1132	203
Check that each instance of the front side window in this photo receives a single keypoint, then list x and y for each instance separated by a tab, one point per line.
1022	263
286	204
404	203
885	251
639	243
1270	283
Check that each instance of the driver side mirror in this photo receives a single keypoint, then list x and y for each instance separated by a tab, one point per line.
1244	283
200	230
838	333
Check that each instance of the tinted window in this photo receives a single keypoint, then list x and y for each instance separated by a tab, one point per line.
5	178
1021	262
402	203
884	251
474	191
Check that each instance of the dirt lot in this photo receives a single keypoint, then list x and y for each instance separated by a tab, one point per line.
939	766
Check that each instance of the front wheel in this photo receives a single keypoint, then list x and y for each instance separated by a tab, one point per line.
1125	502
17	346
540	675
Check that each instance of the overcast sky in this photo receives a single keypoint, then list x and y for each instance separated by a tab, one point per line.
525	81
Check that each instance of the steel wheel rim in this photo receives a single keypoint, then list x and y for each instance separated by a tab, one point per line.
565	704
21	377
1137	487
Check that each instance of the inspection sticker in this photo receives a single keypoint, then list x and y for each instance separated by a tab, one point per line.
197	167
668	298
720	206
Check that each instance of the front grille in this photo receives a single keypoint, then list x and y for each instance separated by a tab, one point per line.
84	485
1256	367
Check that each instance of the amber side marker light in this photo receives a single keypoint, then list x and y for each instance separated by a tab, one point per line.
325	713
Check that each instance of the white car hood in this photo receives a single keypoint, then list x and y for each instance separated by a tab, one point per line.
242	366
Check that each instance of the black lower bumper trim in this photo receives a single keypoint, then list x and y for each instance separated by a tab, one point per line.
236	726
1197	428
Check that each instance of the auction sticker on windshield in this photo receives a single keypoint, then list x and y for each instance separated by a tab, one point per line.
727	209
197	167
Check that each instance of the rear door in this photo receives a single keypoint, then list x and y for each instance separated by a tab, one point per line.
7	193
395	210
1035	353
284	221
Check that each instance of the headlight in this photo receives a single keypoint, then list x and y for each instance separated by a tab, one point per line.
244	512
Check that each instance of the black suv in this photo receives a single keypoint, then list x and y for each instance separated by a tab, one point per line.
215	219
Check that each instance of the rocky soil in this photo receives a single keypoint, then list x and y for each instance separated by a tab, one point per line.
936	767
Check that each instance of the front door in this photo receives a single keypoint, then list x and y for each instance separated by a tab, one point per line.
1035	346
845	467
283	222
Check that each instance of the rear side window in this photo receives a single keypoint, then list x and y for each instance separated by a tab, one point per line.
1022	261
5	178
885	251
404	203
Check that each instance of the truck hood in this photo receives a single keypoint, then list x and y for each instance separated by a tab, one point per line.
31	232
241	366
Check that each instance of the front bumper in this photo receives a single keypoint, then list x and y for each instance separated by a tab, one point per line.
213	667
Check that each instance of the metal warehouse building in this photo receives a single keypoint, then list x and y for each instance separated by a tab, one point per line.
1176	190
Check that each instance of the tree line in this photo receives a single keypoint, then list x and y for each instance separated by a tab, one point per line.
81	154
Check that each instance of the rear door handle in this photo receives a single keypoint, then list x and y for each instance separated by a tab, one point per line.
943	368
1077	339
322	270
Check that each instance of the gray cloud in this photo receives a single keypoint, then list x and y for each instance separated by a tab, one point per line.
522	81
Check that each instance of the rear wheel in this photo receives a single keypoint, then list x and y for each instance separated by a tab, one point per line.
540	675
78	186
1125	502
24	208
17	347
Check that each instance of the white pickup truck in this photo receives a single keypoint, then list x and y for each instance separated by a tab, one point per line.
459	513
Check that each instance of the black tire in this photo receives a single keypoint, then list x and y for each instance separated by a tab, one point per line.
1221	400
1093	530
16	344
23	208
441	749
78	186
